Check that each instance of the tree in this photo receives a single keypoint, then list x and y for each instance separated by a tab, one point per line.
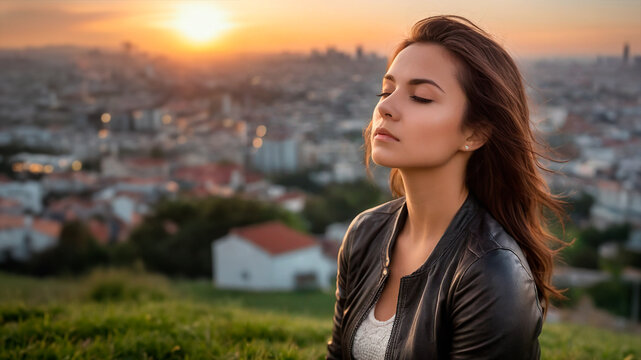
581	205
75	253
341	202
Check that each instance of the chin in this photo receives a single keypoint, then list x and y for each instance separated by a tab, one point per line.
399	161
386	161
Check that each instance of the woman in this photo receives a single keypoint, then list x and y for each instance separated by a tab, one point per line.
457	266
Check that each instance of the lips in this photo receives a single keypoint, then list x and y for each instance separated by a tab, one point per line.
385	134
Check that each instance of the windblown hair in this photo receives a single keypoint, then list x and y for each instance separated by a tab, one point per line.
502	173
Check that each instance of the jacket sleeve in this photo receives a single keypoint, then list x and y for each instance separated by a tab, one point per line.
496	313
334	346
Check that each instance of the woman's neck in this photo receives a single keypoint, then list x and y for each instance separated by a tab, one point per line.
433	197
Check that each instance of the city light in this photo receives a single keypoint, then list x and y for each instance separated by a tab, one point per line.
35	168
261	130
76	165
18	167
105	118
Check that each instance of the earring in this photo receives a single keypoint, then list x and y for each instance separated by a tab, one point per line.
467	147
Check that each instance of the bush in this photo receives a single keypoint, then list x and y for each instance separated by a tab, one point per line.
111	290
614	296
75	253
112	285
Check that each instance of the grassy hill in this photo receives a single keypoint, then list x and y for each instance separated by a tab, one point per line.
134	315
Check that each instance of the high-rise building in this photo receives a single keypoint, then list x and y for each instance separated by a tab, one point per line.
626	53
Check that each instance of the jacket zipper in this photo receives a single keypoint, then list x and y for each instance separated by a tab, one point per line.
394	327
372	302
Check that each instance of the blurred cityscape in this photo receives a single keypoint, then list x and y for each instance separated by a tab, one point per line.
101	137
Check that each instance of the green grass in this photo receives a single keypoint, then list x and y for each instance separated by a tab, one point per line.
134	315
568	341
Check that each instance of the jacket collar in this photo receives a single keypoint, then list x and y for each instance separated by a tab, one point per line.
455	228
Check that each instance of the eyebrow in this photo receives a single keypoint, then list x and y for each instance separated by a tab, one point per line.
415	81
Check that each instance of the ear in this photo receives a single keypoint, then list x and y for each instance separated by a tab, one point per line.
475	137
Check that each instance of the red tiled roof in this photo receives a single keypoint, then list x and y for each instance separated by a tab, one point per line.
274	237
251	177
131	194
136	218
219	174
51	228
78	176
8	221
289	196
608	185
70	201
8	202
99	230
145	162
154	180
575	123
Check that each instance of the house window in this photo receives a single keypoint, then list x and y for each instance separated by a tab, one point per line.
305	281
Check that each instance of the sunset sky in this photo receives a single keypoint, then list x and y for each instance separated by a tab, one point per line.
197	28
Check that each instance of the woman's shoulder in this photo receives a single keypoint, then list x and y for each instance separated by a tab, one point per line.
493	254
489	240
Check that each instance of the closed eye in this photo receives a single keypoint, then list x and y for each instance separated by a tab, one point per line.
421	100
415	98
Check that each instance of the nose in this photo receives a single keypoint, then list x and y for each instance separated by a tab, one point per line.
386	110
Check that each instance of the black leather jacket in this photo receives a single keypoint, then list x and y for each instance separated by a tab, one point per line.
473	298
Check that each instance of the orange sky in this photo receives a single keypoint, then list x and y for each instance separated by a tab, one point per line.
526	28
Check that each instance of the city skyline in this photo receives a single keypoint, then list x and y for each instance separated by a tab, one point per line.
202	28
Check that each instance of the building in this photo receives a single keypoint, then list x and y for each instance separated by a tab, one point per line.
21	236
28	193
277	154
615	204
271	256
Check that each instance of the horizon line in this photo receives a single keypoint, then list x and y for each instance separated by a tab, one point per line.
284	51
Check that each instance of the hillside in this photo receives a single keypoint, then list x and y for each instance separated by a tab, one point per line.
134	315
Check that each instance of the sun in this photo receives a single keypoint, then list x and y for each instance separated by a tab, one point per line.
200	22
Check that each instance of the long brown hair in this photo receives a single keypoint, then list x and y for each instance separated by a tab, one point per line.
502	173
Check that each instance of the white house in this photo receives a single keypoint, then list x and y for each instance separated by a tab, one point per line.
271	256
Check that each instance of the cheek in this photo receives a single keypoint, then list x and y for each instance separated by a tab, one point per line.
436	134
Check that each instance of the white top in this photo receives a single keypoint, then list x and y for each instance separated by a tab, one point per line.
372	336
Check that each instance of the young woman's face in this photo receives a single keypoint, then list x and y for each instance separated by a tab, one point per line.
421	107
